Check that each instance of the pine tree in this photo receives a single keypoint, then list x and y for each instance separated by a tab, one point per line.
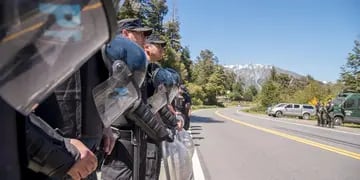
350	74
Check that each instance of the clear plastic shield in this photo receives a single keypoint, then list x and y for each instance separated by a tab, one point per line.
43	42
158	100
173	93
185	138
115	95
177	161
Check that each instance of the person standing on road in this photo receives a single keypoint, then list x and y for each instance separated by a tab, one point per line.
182	104
318	114
329	113
154	51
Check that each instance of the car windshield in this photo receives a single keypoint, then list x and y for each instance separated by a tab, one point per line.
338	100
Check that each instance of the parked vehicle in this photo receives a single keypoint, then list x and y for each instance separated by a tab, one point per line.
346	108
303	111
268	110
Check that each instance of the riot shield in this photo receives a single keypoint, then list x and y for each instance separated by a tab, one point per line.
174	91
185	138
177	161
42	43
115	95
163	82
158	100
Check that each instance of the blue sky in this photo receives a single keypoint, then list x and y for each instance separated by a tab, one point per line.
305	36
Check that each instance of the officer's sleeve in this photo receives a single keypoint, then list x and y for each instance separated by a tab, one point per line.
48	152
49	110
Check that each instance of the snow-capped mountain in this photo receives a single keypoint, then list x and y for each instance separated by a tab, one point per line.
257	74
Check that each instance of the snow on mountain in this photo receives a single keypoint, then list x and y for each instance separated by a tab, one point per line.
257	74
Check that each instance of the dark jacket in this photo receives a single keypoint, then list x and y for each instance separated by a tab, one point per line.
147	89
181	101
75	102
12	138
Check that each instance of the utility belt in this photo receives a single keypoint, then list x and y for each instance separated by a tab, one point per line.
182	110
128	135
136	137
123	134
120	135
149	140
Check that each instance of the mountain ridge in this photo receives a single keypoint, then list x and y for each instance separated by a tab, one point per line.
257	74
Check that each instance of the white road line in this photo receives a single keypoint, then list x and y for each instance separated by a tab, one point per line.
197	170
305	125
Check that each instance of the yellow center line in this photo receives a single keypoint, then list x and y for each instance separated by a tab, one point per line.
297	139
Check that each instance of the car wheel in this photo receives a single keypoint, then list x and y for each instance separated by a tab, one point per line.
278	114
306	116
338	121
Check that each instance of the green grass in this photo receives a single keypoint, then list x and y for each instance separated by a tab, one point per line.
261	110
255	110
241	103
196	107
351	125
231	104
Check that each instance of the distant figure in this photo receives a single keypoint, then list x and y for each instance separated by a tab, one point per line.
182	104
318	114
329	113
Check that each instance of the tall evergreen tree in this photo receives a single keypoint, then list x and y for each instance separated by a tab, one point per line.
269	94
350	74
130	9
154	12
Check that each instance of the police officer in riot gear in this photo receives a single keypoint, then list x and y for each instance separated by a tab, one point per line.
73	102
162	83
125	57
329	109
318	115
326	117
182	104
176	156
155	78
168	113
41	46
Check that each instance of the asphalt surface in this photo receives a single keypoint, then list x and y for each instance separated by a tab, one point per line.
233	145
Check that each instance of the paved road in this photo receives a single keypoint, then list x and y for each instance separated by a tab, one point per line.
233	145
